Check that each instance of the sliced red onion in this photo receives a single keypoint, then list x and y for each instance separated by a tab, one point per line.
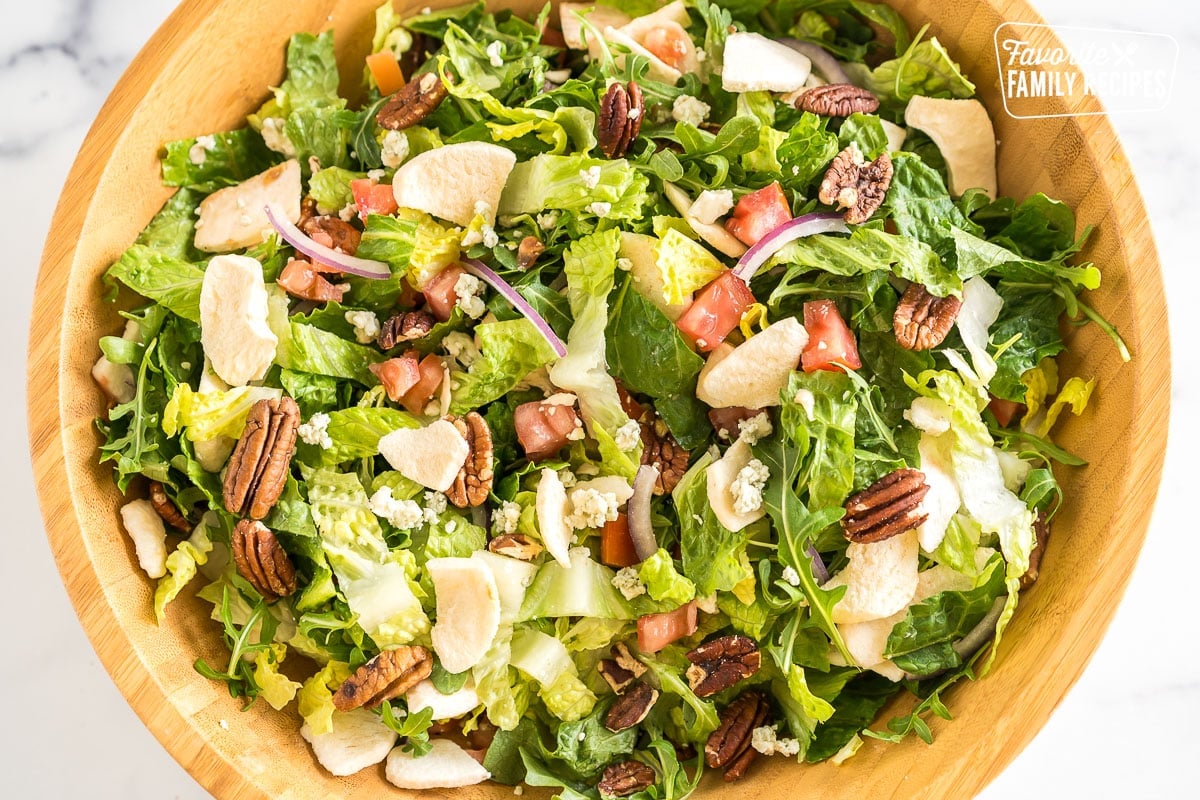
822	60
641	530
506	290
819	570
351	265
788	232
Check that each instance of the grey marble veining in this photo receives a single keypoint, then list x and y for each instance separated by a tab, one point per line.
1125	730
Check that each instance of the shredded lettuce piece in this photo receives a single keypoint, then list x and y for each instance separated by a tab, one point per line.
316	696
182	565
663	582
686	266
206	415
373	579
274	687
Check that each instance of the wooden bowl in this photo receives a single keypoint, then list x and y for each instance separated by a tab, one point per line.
211	63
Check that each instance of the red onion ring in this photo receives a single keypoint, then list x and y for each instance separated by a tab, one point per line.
641	530
788	232
822	60
506	290
351	265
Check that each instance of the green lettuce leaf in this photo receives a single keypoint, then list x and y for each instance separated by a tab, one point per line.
714	557
310	349
646	350
925	68
553	182
162	278
355	433
509	351
233	157
206	415
181	566
584	589
374	583
663	582
316	696
274	687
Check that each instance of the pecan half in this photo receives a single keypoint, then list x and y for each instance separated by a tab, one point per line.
261	560
721	663
474	480
259	465
837	100
631	707
856	185
625	778
660	449
333	232
387	675
166	509
729	745
527	253
412	103
515	545
620	671
621	113
407	326
1041	530
888	507
922	320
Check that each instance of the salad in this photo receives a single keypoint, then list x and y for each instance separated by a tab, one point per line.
600	398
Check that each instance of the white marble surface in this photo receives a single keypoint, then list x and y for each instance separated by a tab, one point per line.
1126	730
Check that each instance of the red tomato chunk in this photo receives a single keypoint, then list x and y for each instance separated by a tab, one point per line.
759	213
831	345
717	310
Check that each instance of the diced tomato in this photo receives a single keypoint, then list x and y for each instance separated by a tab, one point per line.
399	375
305	280
831	345
385	69
616	545
373	197
1005	410
669	42
439	292
717	310
431	372
727	419
544	428
759	213
656	631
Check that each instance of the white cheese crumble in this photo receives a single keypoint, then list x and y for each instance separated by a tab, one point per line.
692	110
276	137
711	205
403	514
625	265
748	485
790	576
591	508
590	177
198	152
495	54
316	431
366	325
490	237
577	434
628	436
756	428
633	113
468	289
567	477
547	220
435	504
348	213
765	741
599	208
505	520
629	583
377	174
461	347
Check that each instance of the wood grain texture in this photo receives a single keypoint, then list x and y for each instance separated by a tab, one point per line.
210	64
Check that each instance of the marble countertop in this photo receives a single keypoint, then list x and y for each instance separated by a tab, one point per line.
1125	730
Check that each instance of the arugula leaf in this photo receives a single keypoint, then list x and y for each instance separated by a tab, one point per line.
646	350
797	528
925	68
855	708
